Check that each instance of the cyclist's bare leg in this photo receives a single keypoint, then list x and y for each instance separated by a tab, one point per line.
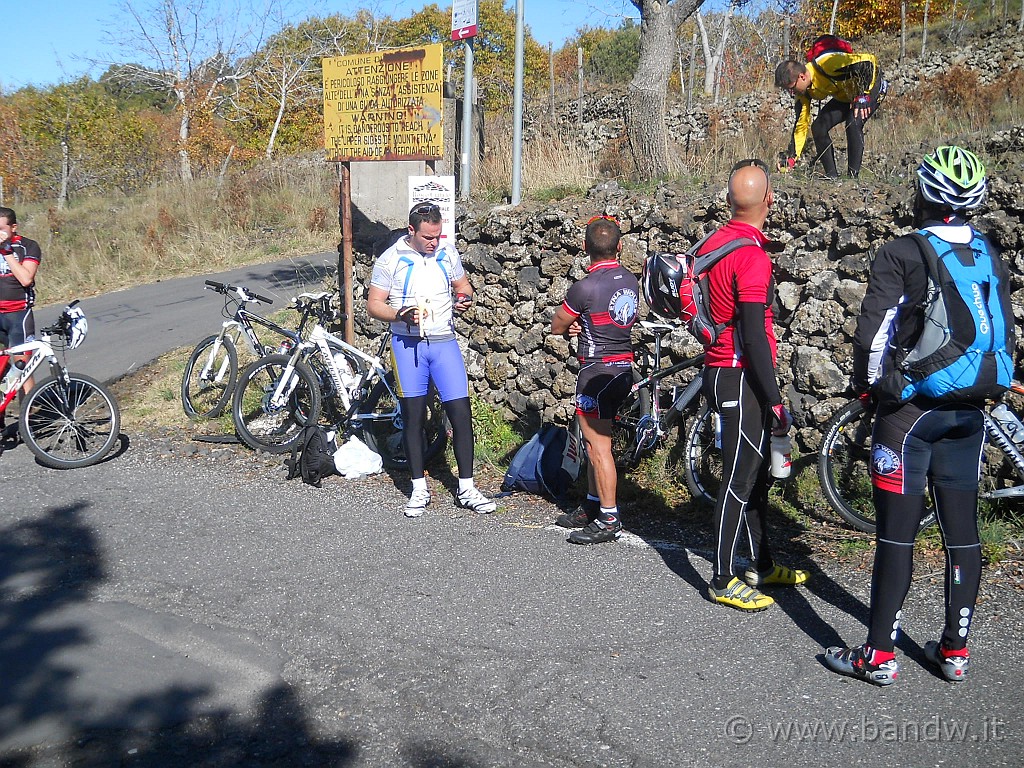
597	436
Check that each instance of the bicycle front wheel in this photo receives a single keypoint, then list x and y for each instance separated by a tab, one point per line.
633	418
263	424
381	418
69	424
703	467
209	378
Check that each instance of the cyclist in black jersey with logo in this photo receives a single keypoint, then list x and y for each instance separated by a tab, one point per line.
599	311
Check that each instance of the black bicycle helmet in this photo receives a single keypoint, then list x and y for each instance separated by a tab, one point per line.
953	176
659	282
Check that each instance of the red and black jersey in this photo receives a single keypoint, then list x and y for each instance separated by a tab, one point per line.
14	296
743	275
606	303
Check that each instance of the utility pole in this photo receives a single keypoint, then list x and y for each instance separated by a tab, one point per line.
467	122
517	109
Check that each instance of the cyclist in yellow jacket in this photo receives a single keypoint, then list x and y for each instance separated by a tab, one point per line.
852	83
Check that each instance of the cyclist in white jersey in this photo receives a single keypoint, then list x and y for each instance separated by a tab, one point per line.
411	288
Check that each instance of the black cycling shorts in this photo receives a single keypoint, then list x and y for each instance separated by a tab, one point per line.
912	444
18	327
601	388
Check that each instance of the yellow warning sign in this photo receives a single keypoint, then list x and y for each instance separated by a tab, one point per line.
384	105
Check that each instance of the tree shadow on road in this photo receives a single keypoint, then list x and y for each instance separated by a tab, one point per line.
50	564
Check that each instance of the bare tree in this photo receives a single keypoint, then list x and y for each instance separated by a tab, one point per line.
713	61
645	102
188	49
281	73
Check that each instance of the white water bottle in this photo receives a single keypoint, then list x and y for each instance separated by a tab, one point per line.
1009	422
348	376
782	450
10	373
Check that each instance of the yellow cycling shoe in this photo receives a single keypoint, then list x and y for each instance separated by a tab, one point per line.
779	575
739	596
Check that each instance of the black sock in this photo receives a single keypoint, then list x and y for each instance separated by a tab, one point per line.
721	582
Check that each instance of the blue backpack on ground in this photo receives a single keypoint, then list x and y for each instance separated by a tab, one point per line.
965	348
548	464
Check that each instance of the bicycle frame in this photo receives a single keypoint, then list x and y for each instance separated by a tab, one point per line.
241	324
325	345
650	429
1002	441
38	351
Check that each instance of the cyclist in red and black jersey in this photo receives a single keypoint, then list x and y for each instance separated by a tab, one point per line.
599	311
740	384
19	261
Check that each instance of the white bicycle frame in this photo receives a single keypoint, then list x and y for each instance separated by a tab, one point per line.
236	330
39	351
321	341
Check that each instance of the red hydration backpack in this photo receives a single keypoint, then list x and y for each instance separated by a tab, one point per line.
828	44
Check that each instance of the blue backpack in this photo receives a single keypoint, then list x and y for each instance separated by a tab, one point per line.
965	348
548	464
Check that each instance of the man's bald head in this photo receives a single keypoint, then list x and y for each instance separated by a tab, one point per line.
750	192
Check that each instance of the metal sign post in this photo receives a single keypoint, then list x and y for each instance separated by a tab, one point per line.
517	108
464	19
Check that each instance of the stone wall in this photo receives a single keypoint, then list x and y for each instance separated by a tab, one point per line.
522	260
994	53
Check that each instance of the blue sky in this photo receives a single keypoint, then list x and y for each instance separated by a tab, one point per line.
51	41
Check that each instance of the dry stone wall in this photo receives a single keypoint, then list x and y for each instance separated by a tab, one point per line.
522	261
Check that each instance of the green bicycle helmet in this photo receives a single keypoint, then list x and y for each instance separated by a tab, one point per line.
953	176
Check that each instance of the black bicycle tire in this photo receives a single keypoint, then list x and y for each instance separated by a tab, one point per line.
388	442
849	462
188	402
702	468
250	400
634	407
43	426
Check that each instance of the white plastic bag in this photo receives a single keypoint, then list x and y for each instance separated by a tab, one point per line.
354	459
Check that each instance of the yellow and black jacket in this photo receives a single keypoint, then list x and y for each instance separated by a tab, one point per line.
841	76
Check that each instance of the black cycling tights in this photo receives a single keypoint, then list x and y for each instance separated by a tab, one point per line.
830	115
743	495
460	416
898	518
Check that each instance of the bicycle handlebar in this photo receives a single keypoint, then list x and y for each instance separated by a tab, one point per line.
242	293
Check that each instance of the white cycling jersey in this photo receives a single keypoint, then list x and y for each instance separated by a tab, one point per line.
414	279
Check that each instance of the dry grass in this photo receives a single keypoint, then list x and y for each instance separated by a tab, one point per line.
554	164
100	244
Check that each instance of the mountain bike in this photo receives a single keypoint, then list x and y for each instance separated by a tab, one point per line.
323	379
844	464
212	368
68	420
650	414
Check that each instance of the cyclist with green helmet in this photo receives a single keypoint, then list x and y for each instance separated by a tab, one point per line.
919	440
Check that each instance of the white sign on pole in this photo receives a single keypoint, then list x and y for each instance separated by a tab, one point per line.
464	14
439	190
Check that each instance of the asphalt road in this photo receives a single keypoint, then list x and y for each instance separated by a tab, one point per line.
163	609
130	328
